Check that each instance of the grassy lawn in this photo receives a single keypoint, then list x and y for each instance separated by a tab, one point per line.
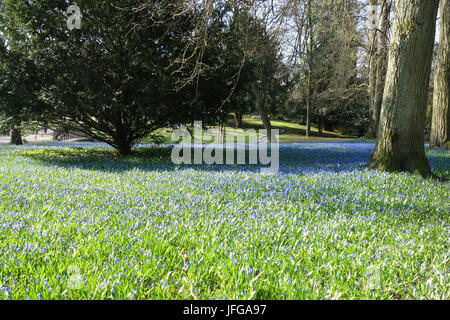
289	132
78	222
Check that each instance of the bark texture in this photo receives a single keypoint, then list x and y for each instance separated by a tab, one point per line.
400	143
373	44
440	126
381	64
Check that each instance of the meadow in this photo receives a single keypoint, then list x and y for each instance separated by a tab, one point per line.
79	222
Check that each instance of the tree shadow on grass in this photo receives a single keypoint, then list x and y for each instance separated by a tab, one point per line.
296	158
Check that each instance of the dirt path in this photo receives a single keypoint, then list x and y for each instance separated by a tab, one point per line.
29	138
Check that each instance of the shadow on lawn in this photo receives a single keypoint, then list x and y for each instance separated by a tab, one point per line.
294	159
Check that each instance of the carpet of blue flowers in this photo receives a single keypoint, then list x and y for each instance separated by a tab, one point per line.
78	222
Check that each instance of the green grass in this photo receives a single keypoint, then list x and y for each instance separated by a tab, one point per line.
142	228
289	132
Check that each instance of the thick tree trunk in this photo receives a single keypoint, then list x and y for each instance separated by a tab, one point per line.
123	146
381	64
124	150
16	137
261	106
400	143
440	127
373	48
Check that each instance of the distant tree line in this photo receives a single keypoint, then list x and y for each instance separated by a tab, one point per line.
135	67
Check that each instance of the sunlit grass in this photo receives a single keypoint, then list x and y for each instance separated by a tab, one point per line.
79	222
289	132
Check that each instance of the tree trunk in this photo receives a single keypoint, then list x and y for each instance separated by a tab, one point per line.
238	119
400	143
308	108
16	137
440	126
261	106
321	116
309	58
124	150
327	125
221	130
123	146
373	45
381	64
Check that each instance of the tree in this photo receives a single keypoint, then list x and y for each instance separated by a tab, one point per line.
18	88
329	81
373	43
378	63
400	142
120	77
440	126
341	98
253	53
309	59
259	51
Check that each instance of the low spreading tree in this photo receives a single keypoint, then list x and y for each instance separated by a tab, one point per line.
117	79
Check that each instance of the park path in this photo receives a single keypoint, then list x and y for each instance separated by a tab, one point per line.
30	138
